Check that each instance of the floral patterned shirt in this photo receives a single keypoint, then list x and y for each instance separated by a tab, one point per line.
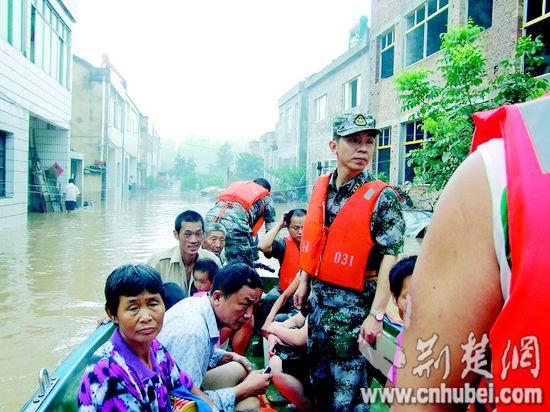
117	380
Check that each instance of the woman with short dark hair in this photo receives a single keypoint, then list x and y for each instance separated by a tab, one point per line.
132	371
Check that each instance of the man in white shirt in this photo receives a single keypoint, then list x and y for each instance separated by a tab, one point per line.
71	192
177	263
191	332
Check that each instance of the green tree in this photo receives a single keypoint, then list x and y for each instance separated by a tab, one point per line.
225	157
211	180
185	169
516	82
446	107
248	166
290	181
184	165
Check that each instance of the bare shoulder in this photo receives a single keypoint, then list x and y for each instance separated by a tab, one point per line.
455	289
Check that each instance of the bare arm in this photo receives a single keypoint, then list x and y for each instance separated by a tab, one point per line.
294	337
302	293
296	321
455	287
266	241
279	303
235	357
269	226
196	391
371	327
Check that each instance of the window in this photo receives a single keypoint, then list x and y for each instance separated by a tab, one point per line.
385	58
383	153
424	25
289	119
11	22
537	22
414	136
320	108
50	42
4	19
481	12
3	138
351	94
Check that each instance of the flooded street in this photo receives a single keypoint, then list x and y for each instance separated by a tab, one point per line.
52	274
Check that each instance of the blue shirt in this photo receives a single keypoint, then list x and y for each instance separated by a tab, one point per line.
190	333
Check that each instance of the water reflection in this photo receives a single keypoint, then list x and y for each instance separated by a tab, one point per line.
52	274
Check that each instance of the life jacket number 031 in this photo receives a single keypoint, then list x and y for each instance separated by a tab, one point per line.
343	258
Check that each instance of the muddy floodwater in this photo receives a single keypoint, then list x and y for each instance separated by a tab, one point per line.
52	273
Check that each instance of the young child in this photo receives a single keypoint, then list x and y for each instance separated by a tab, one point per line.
288	360
203	274
400	277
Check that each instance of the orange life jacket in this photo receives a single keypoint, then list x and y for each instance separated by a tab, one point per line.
245	194
338	254
291	263
520	337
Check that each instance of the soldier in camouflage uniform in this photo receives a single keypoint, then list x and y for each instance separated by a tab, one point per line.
238	223
340	316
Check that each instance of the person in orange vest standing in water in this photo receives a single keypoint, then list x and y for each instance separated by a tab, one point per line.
353	233
242	208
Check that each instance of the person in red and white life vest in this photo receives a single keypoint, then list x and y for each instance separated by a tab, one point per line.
481	283
287	251
243	208
353	233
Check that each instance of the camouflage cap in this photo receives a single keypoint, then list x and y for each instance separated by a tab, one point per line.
348	123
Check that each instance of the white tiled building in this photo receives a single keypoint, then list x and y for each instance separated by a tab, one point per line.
35	97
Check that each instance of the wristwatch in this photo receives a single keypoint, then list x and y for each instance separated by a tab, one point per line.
379	316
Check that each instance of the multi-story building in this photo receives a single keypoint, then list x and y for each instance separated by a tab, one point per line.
106	130
306	110
406	35
291	129
35	98
268	148
339	87
149	153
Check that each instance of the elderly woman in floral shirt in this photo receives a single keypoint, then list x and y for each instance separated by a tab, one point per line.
132	371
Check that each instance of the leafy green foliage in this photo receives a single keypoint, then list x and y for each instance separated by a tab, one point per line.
225	157
185	169
248	166
516	83
446	106
211	180
290	183
183	165
446	109
381	176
